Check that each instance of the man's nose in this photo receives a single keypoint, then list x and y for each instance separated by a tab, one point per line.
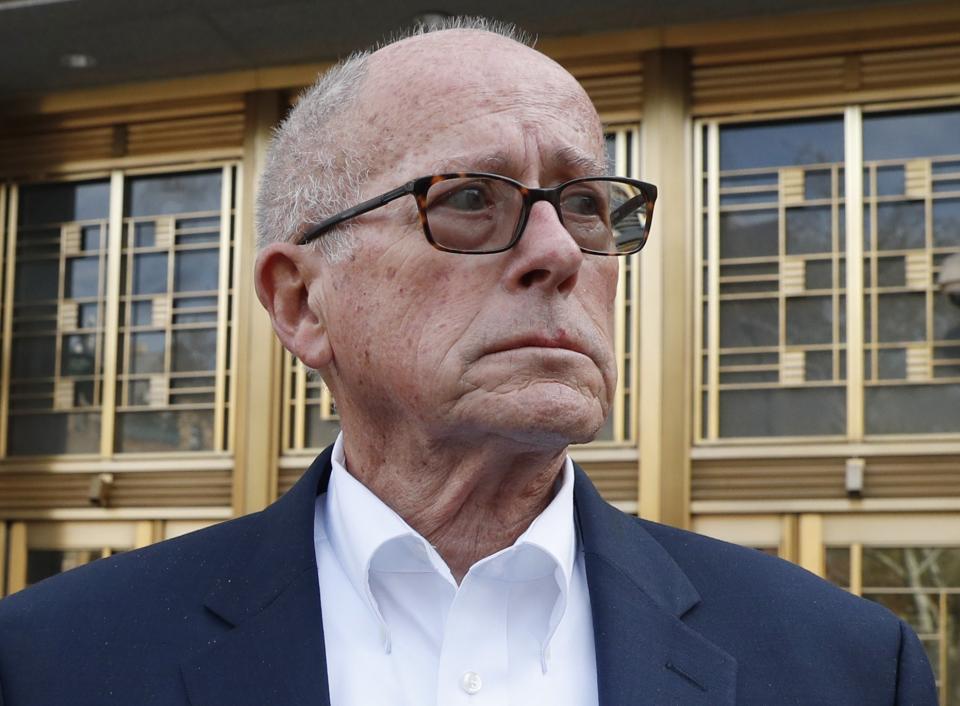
546	256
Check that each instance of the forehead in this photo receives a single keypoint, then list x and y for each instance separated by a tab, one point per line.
449	96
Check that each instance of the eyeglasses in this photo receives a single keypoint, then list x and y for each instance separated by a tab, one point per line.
477	213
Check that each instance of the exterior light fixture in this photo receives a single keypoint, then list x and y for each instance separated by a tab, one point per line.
78	61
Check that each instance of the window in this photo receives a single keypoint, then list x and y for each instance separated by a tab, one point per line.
911	224
57	314
118	309
772	274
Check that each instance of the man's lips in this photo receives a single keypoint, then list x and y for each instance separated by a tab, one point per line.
562	342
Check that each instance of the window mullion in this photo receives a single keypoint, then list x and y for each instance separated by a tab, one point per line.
713	281
7	196
620	323
219	408
853	213
112	314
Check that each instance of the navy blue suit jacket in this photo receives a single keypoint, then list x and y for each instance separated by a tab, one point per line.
230	616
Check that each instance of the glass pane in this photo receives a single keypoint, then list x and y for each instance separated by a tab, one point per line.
62	203
194	349
892	363
144	234
911	134
34	356
37	280
139	394
146	352
913	409
946	320
749	322
48	434
946	222
902	317
782	412
818	184
819	365
87	315
186	430
90	237
84	393
196	270
749	234
900	226
891	180
163	194
891	272
141	313
320	432
150	273
774	144
911	567
809	320
809	230
818	274
198	318
83	277
78	355
838	566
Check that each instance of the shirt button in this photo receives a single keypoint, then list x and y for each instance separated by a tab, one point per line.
470	682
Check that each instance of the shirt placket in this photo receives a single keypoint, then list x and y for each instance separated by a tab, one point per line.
474	658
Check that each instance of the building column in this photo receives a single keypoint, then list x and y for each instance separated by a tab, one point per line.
259	364
665	297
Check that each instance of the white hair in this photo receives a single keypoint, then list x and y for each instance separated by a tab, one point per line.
313	170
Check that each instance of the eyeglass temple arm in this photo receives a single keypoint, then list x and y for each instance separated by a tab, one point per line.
625	207
383	199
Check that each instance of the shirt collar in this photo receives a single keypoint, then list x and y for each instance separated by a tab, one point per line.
357	545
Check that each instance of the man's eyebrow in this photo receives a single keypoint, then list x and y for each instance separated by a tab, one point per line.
569	158
494	163
580	162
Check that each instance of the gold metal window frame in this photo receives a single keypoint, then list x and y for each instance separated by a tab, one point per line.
225	381
706	314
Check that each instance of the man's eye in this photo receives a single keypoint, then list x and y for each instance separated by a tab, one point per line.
582	205
471	198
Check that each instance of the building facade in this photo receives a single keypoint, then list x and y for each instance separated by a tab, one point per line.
789	362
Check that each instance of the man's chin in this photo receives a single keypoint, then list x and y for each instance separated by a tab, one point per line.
551	420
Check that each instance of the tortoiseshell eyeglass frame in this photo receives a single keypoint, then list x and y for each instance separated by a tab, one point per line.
418	189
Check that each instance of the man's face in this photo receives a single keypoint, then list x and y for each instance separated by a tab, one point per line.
515	345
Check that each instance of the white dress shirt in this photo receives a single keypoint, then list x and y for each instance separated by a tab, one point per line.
399	630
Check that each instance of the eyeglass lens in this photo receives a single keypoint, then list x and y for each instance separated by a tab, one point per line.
479	214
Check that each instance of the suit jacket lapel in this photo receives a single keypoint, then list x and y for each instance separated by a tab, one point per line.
646	654
269	594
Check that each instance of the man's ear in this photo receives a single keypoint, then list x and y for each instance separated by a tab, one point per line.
283	275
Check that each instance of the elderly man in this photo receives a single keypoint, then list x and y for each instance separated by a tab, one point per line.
440	241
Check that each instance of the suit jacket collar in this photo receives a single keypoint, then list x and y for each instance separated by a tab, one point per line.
268	593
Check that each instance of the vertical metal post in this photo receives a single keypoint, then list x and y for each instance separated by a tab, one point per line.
8	291
853	190
112	315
